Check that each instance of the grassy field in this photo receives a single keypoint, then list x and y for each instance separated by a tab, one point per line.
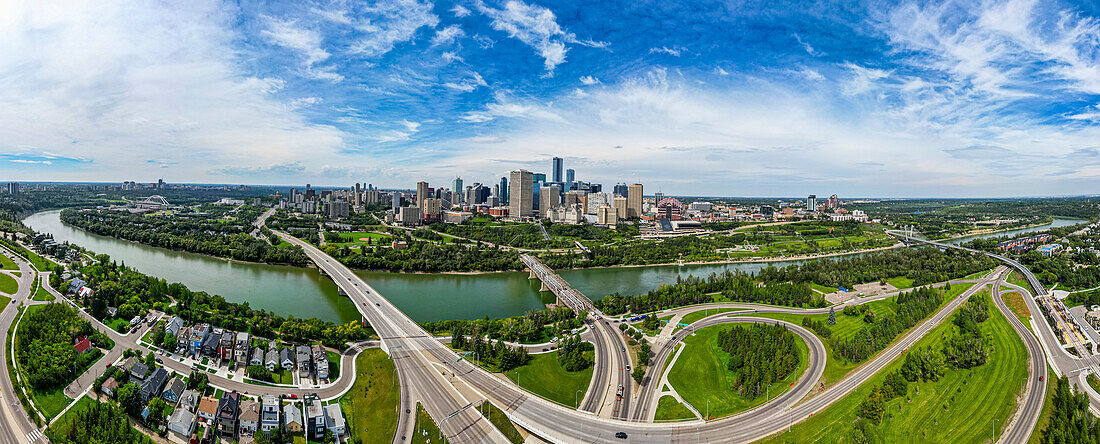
1016	279
8	284
7	264
502	423
118	324
41	294
900	282
1094	382
701	374
669	409
50	401
333	365
371	404
700	314
545	377
426	431
847	326
4	300
959	407
1016	302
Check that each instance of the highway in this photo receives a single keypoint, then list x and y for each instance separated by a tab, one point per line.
612	361
15	426
410	348
1023	423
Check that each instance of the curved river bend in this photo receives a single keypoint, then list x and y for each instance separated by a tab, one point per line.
304	293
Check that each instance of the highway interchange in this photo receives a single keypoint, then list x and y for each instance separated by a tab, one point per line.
448	386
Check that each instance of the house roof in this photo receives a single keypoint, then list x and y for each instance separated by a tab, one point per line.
182	417
208	404
154	382
229	406
250	410
176	386
82	345
291	415
110	384
140	369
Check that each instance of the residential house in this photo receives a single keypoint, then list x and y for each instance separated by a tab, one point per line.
173	326
208	409
109	387
269	413
334	420
225	347
249	420
315	419
82	345
292	419
286	359
182	339
210	345
228	410
271	359
76	284
138	371
257	356
189	400
302	355
320	362
173	390
111	311
240	348
182	423
152	386
199	333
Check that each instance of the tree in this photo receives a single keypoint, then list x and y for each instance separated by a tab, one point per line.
638	374
832	315
129	397
157	410
169	342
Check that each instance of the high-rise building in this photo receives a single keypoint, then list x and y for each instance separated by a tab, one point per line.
338	209
396	200
503	191
593	201
521	195
658	196
570	176
538	177
549	199
620	189
13	187
558	164
458	190
421	194
834	202
634	201
811	203
606	215
619	203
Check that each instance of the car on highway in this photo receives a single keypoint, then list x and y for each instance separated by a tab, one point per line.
621	435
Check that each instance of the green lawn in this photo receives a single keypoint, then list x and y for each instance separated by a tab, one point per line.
8	284
1016	279
700	314
502	423
118	324
50	401
4	300
282	376
959	407
900	282
669	409
41	294
426	431
7	264
371	403
545	377
847	326
822	288
333	365
701	374
1094	382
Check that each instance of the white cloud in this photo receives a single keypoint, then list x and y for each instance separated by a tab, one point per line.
674	51
460	11
113	82
537	27
472	82
589	80
863	79
381	26
288	34
447	35
809	49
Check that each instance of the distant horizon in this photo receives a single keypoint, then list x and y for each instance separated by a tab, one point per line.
649	194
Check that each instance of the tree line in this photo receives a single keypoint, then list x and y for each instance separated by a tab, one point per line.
913	306
489	352
732	285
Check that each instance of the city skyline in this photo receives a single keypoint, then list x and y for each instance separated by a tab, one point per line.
879	99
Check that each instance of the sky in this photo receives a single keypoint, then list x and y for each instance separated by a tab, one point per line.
729	98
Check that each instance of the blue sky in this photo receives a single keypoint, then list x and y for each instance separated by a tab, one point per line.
764	98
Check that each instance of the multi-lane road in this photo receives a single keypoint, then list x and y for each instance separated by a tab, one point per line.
15	426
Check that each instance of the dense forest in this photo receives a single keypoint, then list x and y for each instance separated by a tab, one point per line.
533	327
45	350
421	256
495	354
214	236
760	354
1070	422
733	286
922	265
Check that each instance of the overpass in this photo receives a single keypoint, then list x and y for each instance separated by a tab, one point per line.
612	364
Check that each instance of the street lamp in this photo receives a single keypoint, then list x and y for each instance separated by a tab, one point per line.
575	401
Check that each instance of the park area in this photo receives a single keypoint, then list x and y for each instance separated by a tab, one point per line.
545	376
371	404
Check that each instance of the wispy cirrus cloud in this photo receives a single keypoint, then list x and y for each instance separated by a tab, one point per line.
537	27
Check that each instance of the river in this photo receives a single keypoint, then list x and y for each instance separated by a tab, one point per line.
303	293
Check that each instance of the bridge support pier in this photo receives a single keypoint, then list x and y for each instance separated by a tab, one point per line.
543	286
532	275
